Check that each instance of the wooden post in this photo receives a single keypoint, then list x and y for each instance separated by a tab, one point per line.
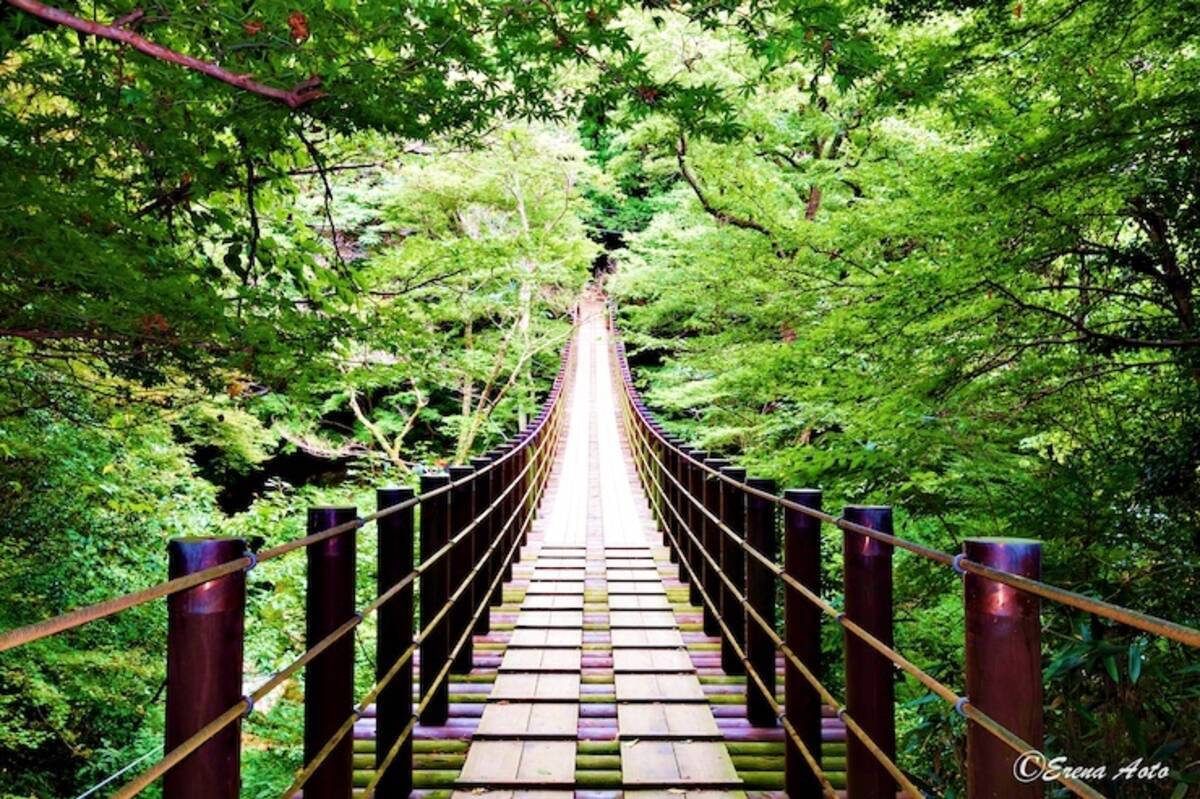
205	626
1004	666
393	707
733	564
434	589
329	677
481	540
672	474
496	523
711	539
870	689
759	587
696	519
802	633
462	511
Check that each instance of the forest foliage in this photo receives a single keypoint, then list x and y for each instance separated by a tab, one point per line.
937	254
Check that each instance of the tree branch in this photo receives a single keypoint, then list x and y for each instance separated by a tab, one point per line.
301	94
722	216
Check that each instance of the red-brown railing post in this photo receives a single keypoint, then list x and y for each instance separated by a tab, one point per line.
482	539
434	590
733	564
802	633
710	538
499	483
1004	666
204	667
462	511
870	690
759	586
393	707
695	517
329	677
672	474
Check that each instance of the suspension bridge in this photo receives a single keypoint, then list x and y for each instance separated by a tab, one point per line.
596	609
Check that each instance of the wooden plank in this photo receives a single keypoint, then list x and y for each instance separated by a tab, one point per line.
541	660
550	618
673	720
564	575
541	637
641	589
553	602
682	794
630	563
563	552
555	587
658	688
641	618
652	660
536	688
705	764
528	720
627	552
672	764
497	764
647	638
632	576
482	794
560	563
639	602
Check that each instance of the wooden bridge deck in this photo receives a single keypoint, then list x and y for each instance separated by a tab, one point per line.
596	679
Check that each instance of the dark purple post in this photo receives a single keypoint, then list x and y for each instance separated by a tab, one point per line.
462	511
759	587
802	633
711	539
1004	665
205	627
329	677
496	522
672	474
696	518
434	590
870	690
733	565
393	707
481	540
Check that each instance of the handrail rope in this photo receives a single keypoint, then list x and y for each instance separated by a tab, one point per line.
940	689
811	761
172	758
824	692
391	755
311	767
70	620
960	703
1143	621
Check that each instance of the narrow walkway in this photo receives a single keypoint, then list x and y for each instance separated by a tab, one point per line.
593	579
597	680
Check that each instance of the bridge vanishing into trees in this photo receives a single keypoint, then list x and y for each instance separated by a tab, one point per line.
597	609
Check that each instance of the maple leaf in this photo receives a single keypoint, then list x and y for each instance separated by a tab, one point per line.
298	25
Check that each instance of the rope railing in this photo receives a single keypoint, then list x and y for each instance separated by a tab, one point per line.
935	686
206	603
672	474
463	588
